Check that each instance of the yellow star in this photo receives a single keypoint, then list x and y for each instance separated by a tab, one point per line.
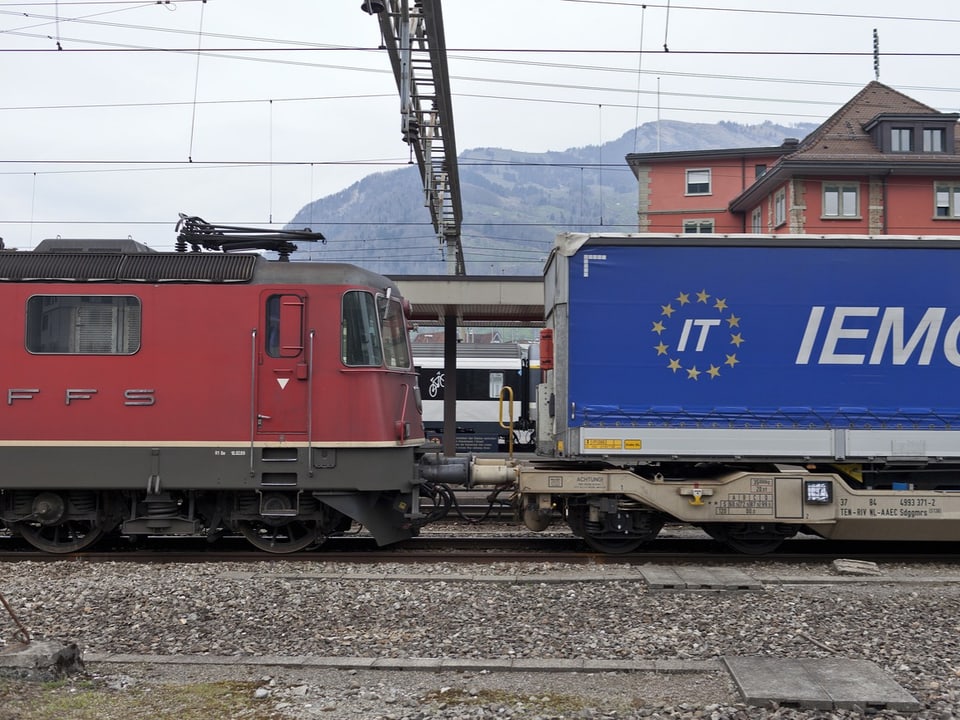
693	373
674	365
702	296
659	327
684	298
731	360
720	304
661	348
736	339
713	372
667	310
733	320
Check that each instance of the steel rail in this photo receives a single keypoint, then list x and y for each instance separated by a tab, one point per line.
480	549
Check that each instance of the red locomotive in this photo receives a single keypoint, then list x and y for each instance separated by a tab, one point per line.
203	392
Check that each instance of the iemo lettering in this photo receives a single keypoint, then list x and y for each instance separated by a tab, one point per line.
854	335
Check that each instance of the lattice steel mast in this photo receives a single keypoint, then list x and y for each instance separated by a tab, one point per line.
413	35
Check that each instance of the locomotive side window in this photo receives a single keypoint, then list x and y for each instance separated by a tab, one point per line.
396	350
360	330
284	329
83	324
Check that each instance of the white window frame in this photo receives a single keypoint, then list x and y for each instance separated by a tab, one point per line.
756	220
696	173
900	136
780	207
843	201
700	225
934	140
946	196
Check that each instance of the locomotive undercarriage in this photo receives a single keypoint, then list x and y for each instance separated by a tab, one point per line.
275	521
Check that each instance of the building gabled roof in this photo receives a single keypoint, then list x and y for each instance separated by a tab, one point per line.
844	134
843	145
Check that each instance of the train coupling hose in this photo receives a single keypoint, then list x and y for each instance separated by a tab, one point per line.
467	470
435	467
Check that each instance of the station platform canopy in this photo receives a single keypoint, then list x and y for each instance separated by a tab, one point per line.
492	301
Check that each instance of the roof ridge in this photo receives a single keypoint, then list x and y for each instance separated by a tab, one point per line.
891	101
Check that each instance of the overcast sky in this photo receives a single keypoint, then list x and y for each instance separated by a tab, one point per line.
290	100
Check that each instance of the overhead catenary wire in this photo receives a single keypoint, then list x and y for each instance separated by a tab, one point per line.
501	56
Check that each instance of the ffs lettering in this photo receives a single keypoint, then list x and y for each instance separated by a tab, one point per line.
131	397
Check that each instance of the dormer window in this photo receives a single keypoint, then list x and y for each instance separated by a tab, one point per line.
901	139
933	140
927	133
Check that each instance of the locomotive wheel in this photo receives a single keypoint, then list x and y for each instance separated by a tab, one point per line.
288	537
62	524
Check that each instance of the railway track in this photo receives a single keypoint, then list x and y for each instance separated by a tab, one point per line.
488	548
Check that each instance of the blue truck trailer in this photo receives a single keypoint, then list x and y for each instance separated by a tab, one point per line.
756	386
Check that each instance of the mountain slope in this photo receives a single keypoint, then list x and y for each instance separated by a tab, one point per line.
514	203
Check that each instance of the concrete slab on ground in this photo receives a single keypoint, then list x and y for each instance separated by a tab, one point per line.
40	660
818	683
542	665
662	577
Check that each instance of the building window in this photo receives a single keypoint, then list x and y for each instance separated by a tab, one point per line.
947	201
759	171
901	139
780	207
841	201
698	226
933	140
756	221
83	324
698	182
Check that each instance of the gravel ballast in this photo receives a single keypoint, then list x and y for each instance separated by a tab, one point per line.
905	621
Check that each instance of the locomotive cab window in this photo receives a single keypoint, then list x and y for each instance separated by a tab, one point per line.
360	330
396	351
83	324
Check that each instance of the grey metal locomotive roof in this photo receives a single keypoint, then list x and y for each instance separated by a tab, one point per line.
125	267
473	301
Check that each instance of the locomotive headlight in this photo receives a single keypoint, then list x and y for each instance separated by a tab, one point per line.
818	492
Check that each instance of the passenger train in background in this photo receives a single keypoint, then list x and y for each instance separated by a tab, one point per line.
755	387
483	370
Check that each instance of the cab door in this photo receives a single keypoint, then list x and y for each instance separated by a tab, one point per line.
283	371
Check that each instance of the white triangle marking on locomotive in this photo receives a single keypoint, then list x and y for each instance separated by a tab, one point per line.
283	382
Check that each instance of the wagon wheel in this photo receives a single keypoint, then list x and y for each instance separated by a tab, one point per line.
747	539
640	526
62	524
614	546
281	538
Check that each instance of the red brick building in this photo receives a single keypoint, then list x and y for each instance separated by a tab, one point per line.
882	164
